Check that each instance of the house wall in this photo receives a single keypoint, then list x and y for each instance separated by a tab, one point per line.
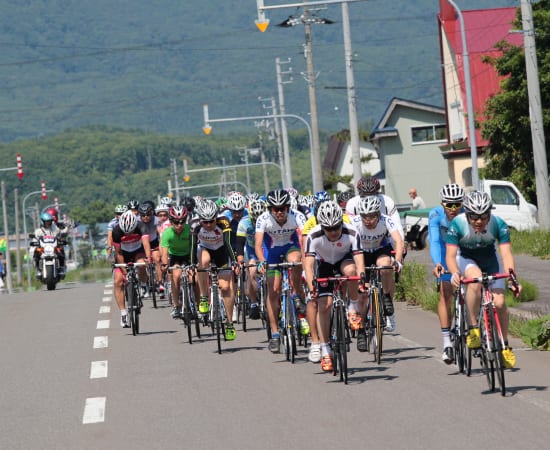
345	164
459	166
418	165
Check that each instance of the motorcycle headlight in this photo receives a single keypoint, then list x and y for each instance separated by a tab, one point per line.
49	250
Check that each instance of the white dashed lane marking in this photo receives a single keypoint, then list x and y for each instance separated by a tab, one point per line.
104	309
103	324
106	299
94	411
101	342
98	369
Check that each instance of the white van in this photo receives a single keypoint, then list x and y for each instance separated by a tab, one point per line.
508	203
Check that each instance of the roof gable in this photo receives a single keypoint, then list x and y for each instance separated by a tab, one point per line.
394	103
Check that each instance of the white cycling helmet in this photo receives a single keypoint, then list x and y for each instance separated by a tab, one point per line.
370	204
128	222
162	207
452	193
477	202
256	208
236	201
329	214
207	209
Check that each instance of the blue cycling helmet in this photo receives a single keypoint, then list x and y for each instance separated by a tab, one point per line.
321	196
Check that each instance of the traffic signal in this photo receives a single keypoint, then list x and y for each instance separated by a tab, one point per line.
20	173
43	187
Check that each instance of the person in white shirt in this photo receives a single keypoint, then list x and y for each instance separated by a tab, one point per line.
417	201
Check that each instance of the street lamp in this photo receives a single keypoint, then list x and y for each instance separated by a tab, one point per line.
208	129
469	100
25	232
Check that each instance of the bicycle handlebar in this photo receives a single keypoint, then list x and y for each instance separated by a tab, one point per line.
485	278
130	264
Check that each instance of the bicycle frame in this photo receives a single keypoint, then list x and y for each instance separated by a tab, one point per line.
132	294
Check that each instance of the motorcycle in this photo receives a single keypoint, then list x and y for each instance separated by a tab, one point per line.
49	249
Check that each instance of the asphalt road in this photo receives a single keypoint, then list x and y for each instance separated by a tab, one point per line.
155	391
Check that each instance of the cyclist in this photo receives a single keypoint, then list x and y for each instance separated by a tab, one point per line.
150	227
133	206
336	247
438	223
162	212
371	186
375	230
211	243
277	237
131	245
343	198
175	249
245	242
119	209
471	251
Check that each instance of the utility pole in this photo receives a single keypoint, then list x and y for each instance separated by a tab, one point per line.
282	110
310	79
535	115
176	184
17	238
283	162
352	105
7	268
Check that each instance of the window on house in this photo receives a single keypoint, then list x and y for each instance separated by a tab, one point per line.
429	133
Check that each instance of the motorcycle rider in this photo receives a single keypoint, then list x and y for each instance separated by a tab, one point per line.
48	228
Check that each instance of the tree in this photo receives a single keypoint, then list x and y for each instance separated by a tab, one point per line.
507	127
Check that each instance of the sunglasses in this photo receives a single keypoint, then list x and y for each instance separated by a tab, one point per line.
147	215
177	222
278	208
208	221
332	229
371	216
474	217
452	206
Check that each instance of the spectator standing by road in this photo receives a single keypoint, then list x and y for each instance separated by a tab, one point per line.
417	201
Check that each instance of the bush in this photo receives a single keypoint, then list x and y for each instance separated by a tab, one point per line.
536	332
414	288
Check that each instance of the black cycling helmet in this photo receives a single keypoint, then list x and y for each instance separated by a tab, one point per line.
133	204
146	208
344	197
278	197
189	203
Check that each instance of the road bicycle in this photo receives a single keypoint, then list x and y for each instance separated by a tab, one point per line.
492	339
152	282
288	322
132	293
216	314
340	335
459	329
242	302
375	321
262	303
188	308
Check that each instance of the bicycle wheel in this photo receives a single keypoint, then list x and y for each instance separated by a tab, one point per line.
190	292
187	314
217	319
152	283
135	309
129	299
466	352
291	329
485	358
341	343
496	344
379	315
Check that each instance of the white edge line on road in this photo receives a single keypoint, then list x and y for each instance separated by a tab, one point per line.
104	309
101	341
94	410
102	324
98	369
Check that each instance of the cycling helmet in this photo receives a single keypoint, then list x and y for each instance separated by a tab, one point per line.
207	210
477	202
119	209
310	201
133	204
221	203
256	208
52	212
370	204
189	203
293	203
321	196
344	197
278	197
292	192
302	201
146	208
452	193
162	208
252	196
329	214
128	222
236	201
166	200
45	217
178	213
368	186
